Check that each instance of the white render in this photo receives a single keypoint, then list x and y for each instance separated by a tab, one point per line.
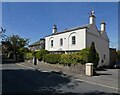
66	41
84	36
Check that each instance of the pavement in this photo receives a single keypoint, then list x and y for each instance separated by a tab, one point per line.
47	78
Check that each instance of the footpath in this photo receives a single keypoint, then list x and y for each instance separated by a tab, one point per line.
106	78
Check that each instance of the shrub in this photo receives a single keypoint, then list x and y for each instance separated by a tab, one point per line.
51	58
39	54
84	54
93	55
68	59
89	55
28	56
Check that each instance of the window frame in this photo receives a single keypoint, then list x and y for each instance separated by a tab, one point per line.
61	41
51	43
73	41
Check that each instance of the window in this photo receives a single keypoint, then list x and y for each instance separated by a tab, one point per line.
104	56
102	61
61	42
51	43
73	40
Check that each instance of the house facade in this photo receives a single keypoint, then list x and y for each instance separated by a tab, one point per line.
78	38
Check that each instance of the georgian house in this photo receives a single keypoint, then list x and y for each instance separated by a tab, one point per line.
78	38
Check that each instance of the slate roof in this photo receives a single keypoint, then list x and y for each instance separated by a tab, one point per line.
40	42
72	29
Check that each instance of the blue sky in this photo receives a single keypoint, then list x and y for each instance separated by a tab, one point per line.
35	20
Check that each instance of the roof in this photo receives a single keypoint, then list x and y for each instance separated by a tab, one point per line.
37	43
72	29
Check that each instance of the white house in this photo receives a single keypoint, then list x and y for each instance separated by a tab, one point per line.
78	38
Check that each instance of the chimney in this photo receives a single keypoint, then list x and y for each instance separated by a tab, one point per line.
92	18
54	29
103	26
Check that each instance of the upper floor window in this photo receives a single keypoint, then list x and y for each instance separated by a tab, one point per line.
51	43
61	42
104	56
73	40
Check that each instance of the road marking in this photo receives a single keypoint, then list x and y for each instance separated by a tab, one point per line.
76	79
97	84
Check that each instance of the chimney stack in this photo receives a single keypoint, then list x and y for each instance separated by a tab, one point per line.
92	18
103	26
54	29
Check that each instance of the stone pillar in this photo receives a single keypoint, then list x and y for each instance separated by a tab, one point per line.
35	61
89	69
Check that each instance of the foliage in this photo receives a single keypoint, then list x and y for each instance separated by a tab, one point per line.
68	59
84	54
89	55
13	44
7	48
118	54
51	58
39	54
28	56
93	55
22	53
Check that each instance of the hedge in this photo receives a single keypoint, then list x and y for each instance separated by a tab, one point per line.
51	58
84	54
68	59
65	59
28	56
39	54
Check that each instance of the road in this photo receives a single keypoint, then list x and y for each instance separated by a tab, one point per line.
18	79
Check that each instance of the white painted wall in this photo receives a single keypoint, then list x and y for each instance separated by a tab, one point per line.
101	44
80	41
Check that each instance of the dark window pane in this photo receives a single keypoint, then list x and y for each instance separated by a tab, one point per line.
61	42
73	40
51	43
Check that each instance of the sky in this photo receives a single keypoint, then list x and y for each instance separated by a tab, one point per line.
35	20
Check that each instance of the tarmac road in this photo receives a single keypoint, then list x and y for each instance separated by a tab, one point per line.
18	79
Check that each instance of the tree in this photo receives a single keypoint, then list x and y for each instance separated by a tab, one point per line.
118	55
13	44
93	55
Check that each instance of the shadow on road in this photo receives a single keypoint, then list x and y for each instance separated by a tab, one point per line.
99	74
8	61
34	82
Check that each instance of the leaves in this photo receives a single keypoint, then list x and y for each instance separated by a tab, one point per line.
13	44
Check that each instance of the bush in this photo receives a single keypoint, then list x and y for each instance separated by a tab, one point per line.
51	58
93	55
84	54
28	56
89	55
39	54
68	59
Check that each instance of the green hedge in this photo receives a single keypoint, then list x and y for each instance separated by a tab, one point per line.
84	54
51	58
65	59
68	59
39	54
28	56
